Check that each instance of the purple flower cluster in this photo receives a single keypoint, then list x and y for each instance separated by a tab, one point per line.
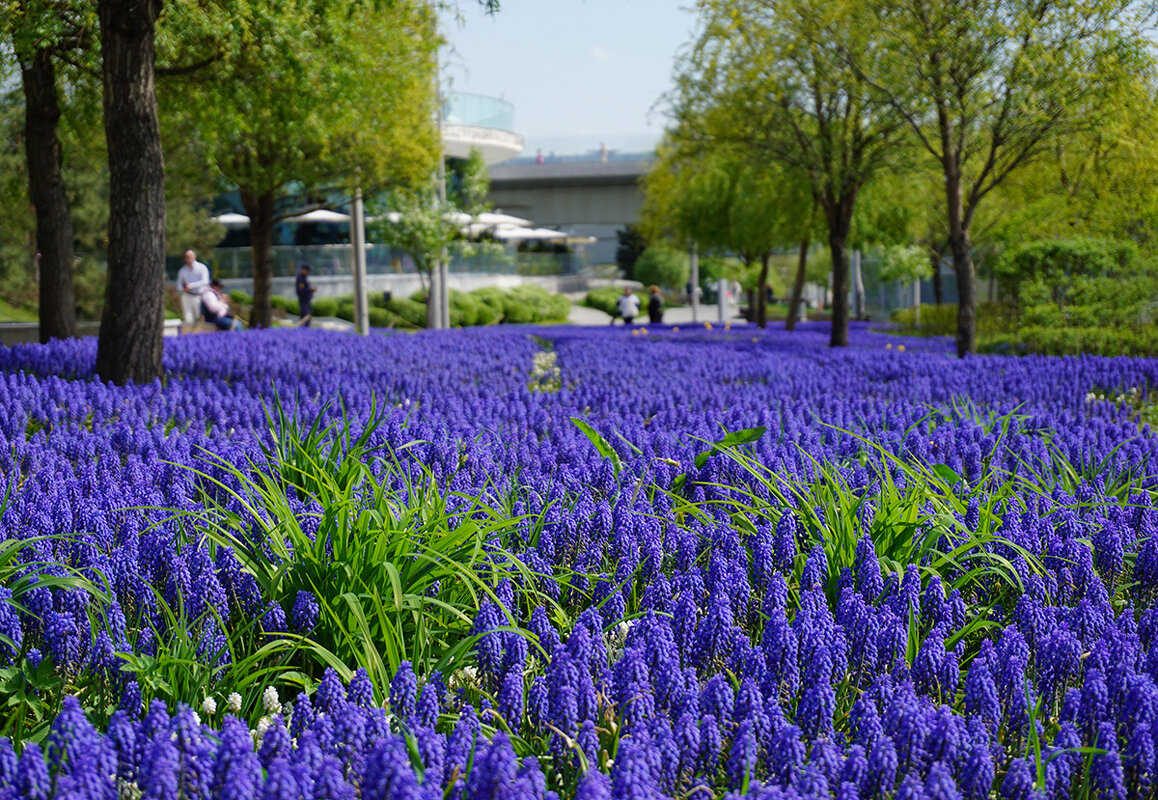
702	653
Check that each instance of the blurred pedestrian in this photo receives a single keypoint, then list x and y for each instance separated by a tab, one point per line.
192	280
628	305
215	308
654	305
305	294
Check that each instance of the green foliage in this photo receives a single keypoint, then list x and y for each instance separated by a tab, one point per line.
1077	341
530	303
631	245
993	319
399	577
905	264
325	306
604	298
1056	261
663	266
470	184
411	221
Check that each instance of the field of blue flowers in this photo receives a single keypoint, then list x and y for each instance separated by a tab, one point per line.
529	563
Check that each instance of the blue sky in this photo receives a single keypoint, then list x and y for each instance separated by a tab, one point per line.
579	72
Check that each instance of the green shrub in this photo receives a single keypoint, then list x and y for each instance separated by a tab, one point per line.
240	297
993	319
466	310
530	303
285	304
381	318
662	266
1064	341
604	299
491	299
326	306
409	311
1053	271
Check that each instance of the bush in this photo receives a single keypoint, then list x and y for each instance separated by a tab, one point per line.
993	319
1055	263
604	299
467	311
491	298
284	304
409	311
530	303
326	306
1076	341
663	266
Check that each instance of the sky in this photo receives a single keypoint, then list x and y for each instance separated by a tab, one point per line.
579	72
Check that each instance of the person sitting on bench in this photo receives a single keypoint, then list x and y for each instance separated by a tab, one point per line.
215	308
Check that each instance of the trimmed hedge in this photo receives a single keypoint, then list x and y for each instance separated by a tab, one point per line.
992	319
604	299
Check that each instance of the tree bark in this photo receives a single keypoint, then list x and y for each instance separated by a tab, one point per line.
839	213
260	207
960	246
762	292
49	197
798	286
132	325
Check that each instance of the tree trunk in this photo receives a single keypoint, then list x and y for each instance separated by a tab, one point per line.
959	245
49	198
132	325
839	222
935	262
259	208
798	286
762	292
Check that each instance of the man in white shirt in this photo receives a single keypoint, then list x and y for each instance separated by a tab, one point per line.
628	305
192	280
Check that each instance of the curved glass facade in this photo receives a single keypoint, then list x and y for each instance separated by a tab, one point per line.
478	111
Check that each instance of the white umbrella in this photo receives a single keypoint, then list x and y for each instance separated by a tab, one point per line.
319	215
515	234
231	219
498	218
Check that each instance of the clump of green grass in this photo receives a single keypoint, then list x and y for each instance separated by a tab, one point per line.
399	566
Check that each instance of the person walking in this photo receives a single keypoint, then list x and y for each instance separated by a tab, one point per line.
305	294
192	280
628	305
654	305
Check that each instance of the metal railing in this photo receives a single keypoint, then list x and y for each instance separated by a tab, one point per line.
337	259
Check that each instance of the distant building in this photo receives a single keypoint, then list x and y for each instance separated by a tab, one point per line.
593	195
472	121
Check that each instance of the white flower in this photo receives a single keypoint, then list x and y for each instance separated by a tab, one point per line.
233	703
209	707
287	709
270	701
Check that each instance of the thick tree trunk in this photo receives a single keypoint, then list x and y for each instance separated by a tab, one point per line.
798	286
959	245
839	213
259	208
49	198
762	292
132	325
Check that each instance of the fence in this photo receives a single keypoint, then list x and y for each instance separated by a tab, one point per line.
337	259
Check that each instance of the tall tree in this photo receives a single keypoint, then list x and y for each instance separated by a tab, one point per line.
719	199
130	342
986	85
40	33
772	75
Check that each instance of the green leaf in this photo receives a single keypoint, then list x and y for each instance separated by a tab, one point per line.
947	474
601	444
733	439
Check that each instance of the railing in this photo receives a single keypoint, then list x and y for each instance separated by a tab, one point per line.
460	108
337	259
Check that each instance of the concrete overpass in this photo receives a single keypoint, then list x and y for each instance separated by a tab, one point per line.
584	196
